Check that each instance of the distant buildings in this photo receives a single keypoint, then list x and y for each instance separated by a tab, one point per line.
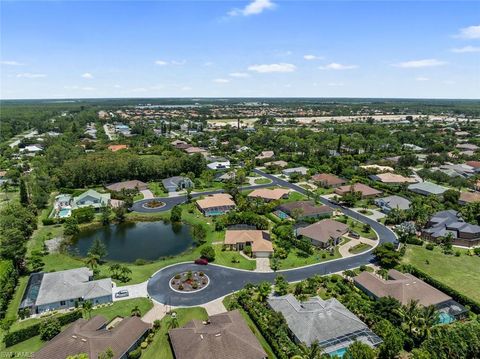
325	233
127	185
469	197
64	290
427	189
392	178
302	171
218	163
449	223
93	337
222	336
326	321
265	155
115	148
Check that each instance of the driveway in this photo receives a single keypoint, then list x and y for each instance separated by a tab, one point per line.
225	280
134	291
147	194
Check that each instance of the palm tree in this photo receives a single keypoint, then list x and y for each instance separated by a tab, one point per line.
428	318
92	261
172	323
5	186
87	308
264	290
410	315
136	312
312	352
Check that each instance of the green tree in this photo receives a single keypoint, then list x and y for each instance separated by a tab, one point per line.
263	291
314	351
386	254
98	249
208	252
359	350
13	246
392	337
84	215
120	214
199	233
87	308
92	261
49	329
173	323
107	354
24	200
136	311
281	285
71	226
176	214
105	215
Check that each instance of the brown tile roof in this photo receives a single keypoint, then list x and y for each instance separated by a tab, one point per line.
280	163
328	179
227	336
216	200
394	178
357	187
115	148
402	286
258	239
265	155
474	164
324	230
469	197
191	150
92	338
305	208
269	194
134	184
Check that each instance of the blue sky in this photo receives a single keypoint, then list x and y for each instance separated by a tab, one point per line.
72	49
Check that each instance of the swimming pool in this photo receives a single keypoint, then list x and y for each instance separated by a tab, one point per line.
338	353
445	318
64	213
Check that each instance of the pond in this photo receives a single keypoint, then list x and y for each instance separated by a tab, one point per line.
127	242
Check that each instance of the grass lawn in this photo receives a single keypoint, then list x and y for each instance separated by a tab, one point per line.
293	197
157	189
160	346
262	181
16	299
359	227
137	197
295	258
225	258
359	248
461	273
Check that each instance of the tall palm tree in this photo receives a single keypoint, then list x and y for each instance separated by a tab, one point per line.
410	316
92	261
136	312
428	318
173	323
87	308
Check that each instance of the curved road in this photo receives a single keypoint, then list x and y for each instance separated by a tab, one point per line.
225	280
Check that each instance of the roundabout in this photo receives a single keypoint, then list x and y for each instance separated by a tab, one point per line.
189	282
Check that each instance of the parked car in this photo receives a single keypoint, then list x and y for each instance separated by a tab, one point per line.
122	293
201	261
354	234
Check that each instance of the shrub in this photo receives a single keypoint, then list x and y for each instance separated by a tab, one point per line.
48	221
135	354
140	262
8	281
49	329
144	345
180	287
208	253
430	246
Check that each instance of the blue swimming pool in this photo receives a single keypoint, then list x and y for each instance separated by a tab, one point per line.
64	213
339	353
281	215
445	318
215	213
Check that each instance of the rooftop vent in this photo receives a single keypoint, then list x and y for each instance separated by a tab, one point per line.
74	336
84	340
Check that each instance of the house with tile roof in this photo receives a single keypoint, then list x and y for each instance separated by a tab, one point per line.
325	321
91	198
328	180
222	336
305	209
177	183
268	194
324	234
216	204
366	191
93	337
259	241
427	189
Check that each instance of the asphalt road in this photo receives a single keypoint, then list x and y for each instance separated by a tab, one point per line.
225	280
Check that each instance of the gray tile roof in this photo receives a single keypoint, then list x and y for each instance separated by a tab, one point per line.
327	321
393	202
449	221
427	188
71	284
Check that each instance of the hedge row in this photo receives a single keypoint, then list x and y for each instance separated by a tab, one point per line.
459	297
31	331
279	341
8	282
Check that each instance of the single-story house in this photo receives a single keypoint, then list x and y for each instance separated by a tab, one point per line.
127	185
32	148
218	163
63	289
386	204
474	164
467	146
296	170
179	144
259	241
427	189
115	148
269	194
469	197
91	198
192	150
265	155
450	223
456	170
378	168
93	337
405	287
327	322
325	233
305	209
224	335
216	204
392	178
281	164
366	191
224	176
177	183
328	180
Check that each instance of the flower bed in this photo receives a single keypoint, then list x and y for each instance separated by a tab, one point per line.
191	281
154	204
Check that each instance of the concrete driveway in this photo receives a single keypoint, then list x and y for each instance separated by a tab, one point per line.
134	291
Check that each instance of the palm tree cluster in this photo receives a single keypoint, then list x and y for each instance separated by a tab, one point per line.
417	321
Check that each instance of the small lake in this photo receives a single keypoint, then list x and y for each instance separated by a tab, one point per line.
127	242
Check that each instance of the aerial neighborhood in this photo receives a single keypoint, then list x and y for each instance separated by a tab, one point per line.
175	230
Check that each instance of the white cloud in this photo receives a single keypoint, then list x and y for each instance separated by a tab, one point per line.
11	63
421	78
238	74
254	8
337	66
172	62
466	49
471	32
161	63
266	68
336	84
312	57
87	75
420	63
29	75
221	81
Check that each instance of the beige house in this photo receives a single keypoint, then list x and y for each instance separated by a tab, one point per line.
366	191
216	204
325	233
269	194
259	240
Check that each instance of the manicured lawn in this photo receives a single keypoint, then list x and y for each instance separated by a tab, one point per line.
460	273
358	227
137	197
262	181
17	297
293	197
295	258
160	346
28	346
225	258
359	248
157	189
